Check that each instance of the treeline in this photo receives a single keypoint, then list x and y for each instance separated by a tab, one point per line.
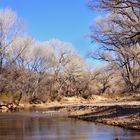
42	71
37	70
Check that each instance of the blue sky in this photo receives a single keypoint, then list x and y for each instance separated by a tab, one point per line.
67	20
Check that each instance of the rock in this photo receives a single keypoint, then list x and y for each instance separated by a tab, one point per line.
4	109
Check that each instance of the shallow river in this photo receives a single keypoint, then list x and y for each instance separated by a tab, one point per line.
38	126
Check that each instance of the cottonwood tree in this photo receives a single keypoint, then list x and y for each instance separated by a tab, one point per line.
118	33
74	72
40	63
15	70
20	51
10	26
63	52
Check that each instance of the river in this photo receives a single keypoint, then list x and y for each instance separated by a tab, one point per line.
39	126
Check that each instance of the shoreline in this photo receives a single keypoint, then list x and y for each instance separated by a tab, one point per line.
127	117
121	114
124	116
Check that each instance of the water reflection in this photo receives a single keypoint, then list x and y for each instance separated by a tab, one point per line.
35	126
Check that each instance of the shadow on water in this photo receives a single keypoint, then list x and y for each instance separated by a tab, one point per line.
37	126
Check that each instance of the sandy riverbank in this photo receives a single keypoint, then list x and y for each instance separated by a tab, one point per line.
121	113
126	115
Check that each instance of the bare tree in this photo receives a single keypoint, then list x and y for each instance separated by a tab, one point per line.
10	25
119	35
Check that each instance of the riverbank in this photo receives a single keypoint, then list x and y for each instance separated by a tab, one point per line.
123	113
127	116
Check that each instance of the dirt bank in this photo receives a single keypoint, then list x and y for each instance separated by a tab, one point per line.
126	116
123	113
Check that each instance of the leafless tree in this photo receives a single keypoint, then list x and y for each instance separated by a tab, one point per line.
10	26
119	36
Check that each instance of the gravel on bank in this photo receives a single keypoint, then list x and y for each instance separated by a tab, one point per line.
126	116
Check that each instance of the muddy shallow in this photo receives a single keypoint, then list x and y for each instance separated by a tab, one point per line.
40	126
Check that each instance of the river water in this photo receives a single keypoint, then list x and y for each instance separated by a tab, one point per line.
39	126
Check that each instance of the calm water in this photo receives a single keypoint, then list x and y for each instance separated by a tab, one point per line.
36	126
